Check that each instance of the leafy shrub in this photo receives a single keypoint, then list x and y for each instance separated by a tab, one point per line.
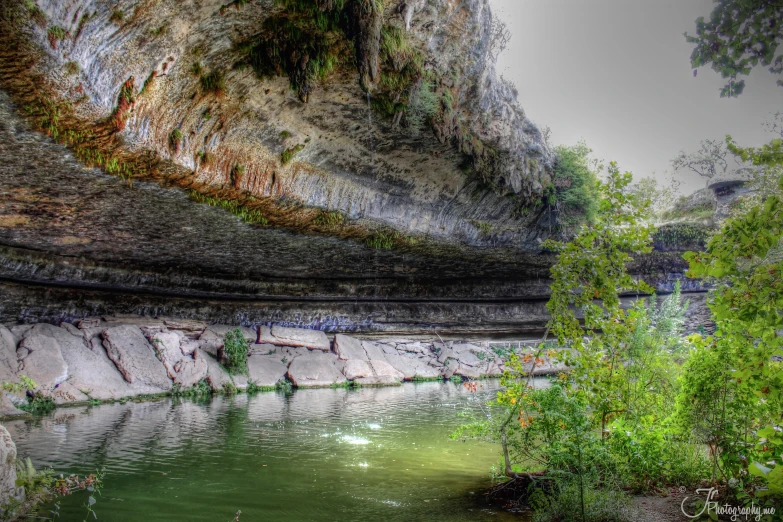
568	500
55	34
213	83
422	106
37	402
574	190
235	351
117	16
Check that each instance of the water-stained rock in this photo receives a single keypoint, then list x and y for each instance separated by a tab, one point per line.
134	357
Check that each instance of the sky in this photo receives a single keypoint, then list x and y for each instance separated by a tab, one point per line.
617	74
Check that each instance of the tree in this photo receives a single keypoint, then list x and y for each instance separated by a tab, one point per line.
711	159
738	36
573	193
744	264
658	198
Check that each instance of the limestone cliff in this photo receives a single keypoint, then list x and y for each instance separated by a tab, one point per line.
265	99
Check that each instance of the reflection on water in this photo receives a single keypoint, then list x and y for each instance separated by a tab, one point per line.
367	454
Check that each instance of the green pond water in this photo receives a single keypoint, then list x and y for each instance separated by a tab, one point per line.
327	454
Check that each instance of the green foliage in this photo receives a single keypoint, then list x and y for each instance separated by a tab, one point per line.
329	219
236	175
247	215
681	236
117	16
255	388
574	190
284	385
196	69
288	154
739	368
235	351
37	402
305	44
738	36
200	389
284	135
160	30
35	12
600	505
56	34
175	139
422	105
483	226
71	68
382	240
213	83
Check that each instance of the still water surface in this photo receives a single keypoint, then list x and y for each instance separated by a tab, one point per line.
366	454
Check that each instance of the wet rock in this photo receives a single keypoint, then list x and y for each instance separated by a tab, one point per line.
217	376
8	488
265	370
41	359
134	357
349	348
312	339
315	370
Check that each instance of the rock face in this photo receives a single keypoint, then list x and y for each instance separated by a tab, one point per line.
134	357
8	487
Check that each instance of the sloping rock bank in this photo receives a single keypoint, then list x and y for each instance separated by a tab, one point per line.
118	357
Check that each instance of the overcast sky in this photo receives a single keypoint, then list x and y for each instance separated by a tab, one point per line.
617	73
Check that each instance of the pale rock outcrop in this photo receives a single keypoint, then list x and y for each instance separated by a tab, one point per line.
373	351
134	357
312	339
8	488
188	346
265	370
217	377
19	330
315	370
91	372
167	348
188	371
348	348
41	359
412	367
262	349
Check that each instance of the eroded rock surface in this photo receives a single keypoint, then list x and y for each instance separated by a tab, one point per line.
134	356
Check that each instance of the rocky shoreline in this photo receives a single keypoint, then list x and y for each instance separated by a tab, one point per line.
114	358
